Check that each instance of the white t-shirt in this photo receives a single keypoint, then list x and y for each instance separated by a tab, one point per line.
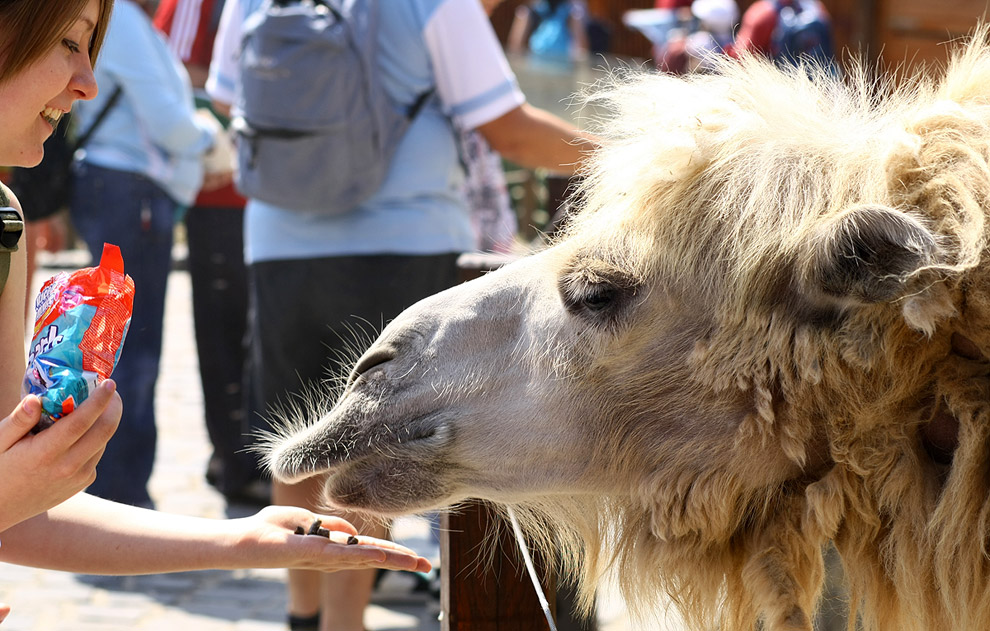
448	45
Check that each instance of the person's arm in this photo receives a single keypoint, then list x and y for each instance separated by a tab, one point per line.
531	137
136	57
197	74
756	30
521	29
41	470
577	25
12	312
224	75
87	534
474	82
187	28
38	471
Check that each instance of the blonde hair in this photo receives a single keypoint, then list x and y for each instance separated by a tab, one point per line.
32	27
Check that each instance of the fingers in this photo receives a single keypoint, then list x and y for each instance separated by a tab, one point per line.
101	410
344	557
338	523
349	552
25	416
292	517
384	544
4	610
340	547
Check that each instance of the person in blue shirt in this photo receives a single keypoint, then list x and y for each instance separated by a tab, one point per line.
319	280
143	163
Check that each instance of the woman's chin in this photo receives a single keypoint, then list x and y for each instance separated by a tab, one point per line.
29	157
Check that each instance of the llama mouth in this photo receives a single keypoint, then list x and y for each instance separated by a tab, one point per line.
421	434
390	485
382	472
344	441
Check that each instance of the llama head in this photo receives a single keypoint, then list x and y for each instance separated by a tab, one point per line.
766	328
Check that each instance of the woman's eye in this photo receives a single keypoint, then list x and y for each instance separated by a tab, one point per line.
71	45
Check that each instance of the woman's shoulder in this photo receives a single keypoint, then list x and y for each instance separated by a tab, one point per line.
8	199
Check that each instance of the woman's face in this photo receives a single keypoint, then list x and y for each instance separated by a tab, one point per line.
32	101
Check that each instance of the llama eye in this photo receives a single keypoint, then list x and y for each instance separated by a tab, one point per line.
598	293
599	297
597	302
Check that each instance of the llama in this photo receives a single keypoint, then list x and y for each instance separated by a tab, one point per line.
765	329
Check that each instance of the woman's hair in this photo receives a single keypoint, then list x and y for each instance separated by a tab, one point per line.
29	29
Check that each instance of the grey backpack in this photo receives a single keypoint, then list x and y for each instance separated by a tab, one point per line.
315	129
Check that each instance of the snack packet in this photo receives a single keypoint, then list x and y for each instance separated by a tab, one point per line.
80	325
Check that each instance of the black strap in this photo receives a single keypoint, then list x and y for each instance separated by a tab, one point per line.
82	138
417	105
11	228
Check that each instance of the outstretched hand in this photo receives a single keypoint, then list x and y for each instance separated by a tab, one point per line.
270	536
42	470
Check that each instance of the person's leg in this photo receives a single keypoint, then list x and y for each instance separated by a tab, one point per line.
133	213
307	317
287	360
220	307
345	594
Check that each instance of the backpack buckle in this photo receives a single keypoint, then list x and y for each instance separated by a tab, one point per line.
11	228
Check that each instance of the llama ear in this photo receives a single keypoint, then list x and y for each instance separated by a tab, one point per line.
867	254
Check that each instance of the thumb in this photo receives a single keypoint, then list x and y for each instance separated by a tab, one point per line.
24	417
4	610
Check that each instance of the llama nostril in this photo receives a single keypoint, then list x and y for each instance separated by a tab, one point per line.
369	360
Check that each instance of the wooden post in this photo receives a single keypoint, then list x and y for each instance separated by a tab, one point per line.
483	581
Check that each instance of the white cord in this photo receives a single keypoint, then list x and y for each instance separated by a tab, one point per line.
529	567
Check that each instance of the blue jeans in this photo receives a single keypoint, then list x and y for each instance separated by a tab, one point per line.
132	212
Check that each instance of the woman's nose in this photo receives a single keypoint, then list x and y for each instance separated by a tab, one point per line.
83	82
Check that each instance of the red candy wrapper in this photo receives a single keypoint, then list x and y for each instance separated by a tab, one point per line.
80	326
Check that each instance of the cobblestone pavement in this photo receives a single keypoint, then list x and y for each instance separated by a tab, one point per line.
246	600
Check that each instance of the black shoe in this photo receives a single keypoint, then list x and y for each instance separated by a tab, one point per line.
300	623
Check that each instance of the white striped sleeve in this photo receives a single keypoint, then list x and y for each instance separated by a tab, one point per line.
473	77
185	24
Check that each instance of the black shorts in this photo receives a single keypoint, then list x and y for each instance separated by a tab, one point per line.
312	318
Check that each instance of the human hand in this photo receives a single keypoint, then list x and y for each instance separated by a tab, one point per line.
221	158
42	470
214	181
4	611
268	539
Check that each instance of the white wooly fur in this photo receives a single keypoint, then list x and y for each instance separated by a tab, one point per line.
718	183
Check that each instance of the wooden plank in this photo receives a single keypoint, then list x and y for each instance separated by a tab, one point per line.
485	588
939	18
915	32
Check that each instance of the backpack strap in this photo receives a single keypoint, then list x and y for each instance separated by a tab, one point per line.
11	228
100	115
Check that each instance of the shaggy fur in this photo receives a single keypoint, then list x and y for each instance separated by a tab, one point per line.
753	165
812	251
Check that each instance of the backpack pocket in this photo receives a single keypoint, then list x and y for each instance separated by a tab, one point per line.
306	170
